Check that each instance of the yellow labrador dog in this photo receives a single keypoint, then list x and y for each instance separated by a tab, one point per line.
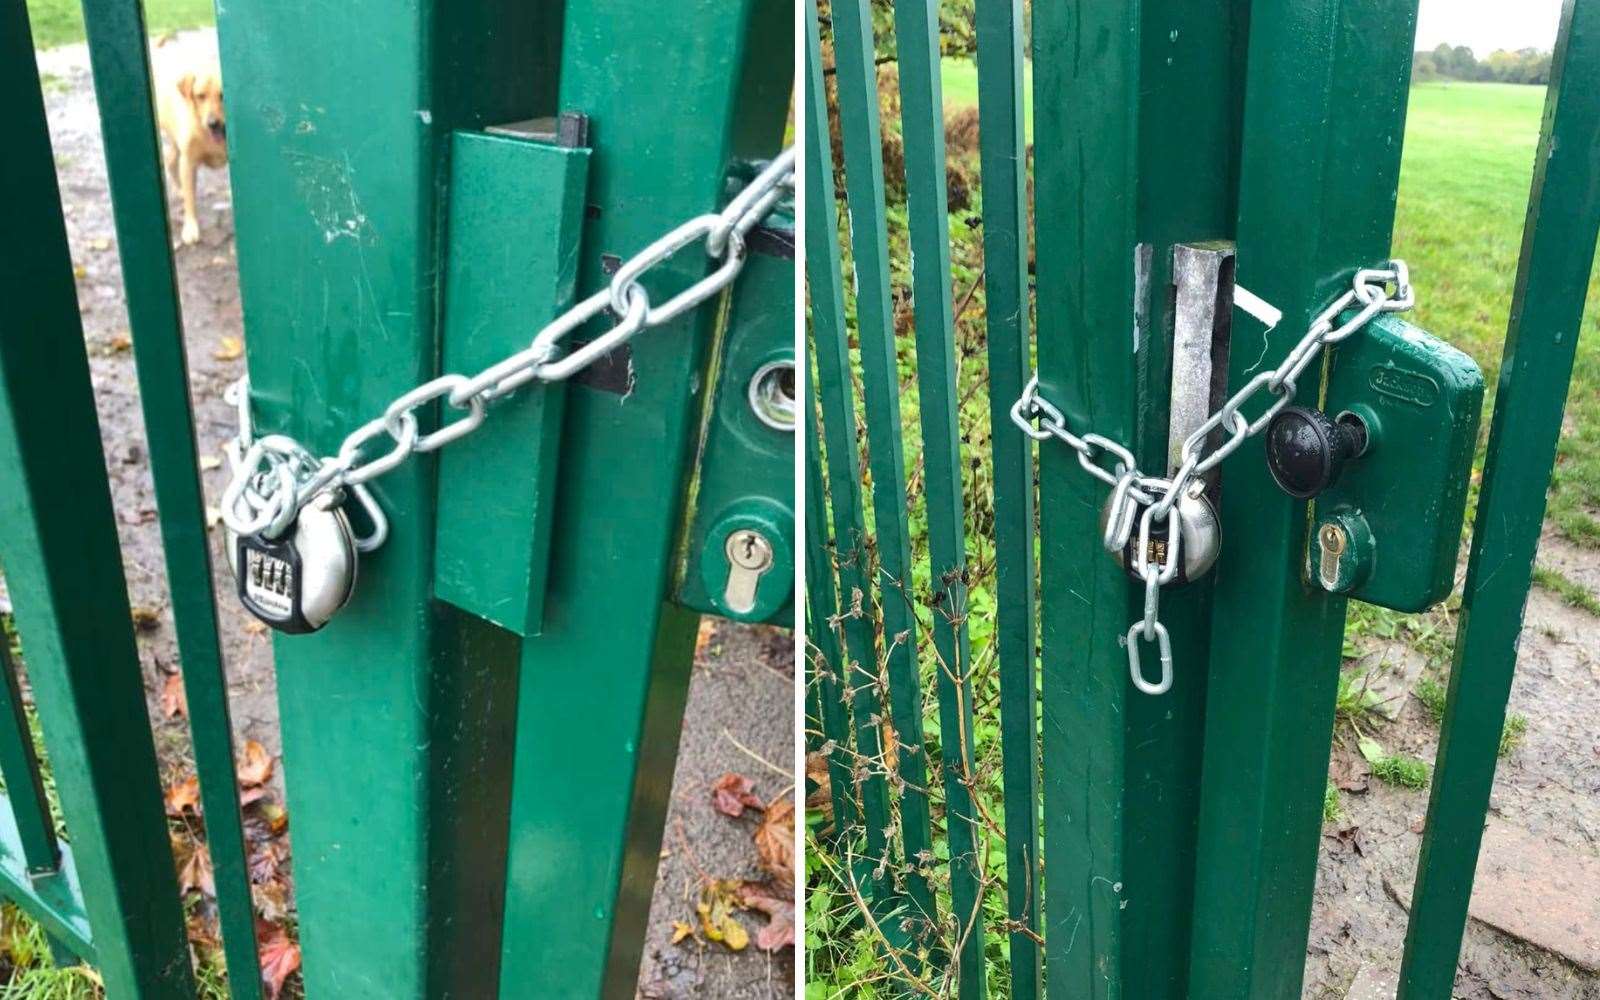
188	81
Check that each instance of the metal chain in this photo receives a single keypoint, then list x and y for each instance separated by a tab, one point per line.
275	477
1151	499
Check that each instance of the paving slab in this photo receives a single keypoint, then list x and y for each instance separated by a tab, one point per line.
1373	983
1538	891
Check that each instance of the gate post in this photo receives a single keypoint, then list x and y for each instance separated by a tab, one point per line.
676	91
1135	140
395	718
1324	119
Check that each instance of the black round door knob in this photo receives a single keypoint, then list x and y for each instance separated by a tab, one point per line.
1306	450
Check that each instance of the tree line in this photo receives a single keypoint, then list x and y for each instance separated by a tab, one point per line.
1456	62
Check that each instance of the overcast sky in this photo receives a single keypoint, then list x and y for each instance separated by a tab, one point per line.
1486	25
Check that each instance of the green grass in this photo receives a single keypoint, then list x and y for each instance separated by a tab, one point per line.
1433	696
58	22
1332	804
1571	592
959	78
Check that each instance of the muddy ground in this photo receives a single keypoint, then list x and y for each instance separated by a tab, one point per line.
741	704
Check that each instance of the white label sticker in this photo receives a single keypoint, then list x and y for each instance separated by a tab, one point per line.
1256	306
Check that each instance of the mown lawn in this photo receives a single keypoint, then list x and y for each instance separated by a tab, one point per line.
57	22
1463	196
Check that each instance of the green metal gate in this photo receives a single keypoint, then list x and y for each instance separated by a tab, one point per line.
1213	190
419	189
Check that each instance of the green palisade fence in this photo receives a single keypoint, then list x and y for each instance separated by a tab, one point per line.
1158	846
478	806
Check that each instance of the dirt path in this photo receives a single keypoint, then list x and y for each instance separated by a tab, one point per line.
743	682
1548	786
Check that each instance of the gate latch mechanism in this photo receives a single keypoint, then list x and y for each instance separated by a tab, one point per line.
1389	473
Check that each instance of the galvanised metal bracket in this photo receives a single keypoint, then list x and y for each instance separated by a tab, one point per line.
737	555
517	196
1388	531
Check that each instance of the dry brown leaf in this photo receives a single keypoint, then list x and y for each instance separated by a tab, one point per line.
255	765
717	902
271	900
821	798
732	793
174	702
680	930
119	342
196	873
1349	771
265	860
255	627
146	619
779	929
276	817
184	796
229	349
702	638
775	842
280	958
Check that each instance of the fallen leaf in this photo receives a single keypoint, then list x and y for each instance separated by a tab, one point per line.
680	930
1371	749
250	796
229	349
79	271
119	342
196	872
732	793
146	619
1349	772
255	627
821	798
174	702
271	900
779	929
100	243
717	902
276	817
775	841
184	796
280	958
255	765
265	861
1347	838
702	638
209	462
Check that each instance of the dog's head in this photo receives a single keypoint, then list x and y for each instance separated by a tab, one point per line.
203	91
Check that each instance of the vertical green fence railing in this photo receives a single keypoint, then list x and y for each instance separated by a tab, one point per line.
112	899
1180	832
120	872
1547	308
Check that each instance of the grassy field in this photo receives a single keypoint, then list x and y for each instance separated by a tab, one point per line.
57	22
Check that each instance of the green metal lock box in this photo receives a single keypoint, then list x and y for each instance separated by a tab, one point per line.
1388	532
746	481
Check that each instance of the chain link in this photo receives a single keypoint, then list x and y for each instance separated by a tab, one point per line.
275	477
1150	499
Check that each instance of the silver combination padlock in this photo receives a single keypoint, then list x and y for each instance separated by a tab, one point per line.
1200	538
298	581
